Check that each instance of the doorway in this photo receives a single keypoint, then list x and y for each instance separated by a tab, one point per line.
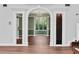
19	28
59	28
39	27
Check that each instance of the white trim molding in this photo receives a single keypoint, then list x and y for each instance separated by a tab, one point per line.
14	27
51	17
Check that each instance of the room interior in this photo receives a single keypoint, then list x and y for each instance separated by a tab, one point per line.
39	28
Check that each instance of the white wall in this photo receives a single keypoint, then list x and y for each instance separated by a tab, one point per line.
6	30
6	15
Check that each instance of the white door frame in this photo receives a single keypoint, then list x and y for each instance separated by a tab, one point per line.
14	23
63	28
51	24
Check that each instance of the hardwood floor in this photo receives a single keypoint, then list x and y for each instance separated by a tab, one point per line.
34	50
39	40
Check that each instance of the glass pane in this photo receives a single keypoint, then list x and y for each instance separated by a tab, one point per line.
31	32
42	22
31	25
37	23
45	23
41	25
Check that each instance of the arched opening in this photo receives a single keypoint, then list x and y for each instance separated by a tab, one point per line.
39	27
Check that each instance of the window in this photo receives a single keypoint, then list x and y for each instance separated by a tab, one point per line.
31	25
41	26
38	25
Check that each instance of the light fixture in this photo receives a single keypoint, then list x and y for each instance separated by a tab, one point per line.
4	5
67	5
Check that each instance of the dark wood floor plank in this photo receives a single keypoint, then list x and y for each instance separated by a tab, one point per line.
35	50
